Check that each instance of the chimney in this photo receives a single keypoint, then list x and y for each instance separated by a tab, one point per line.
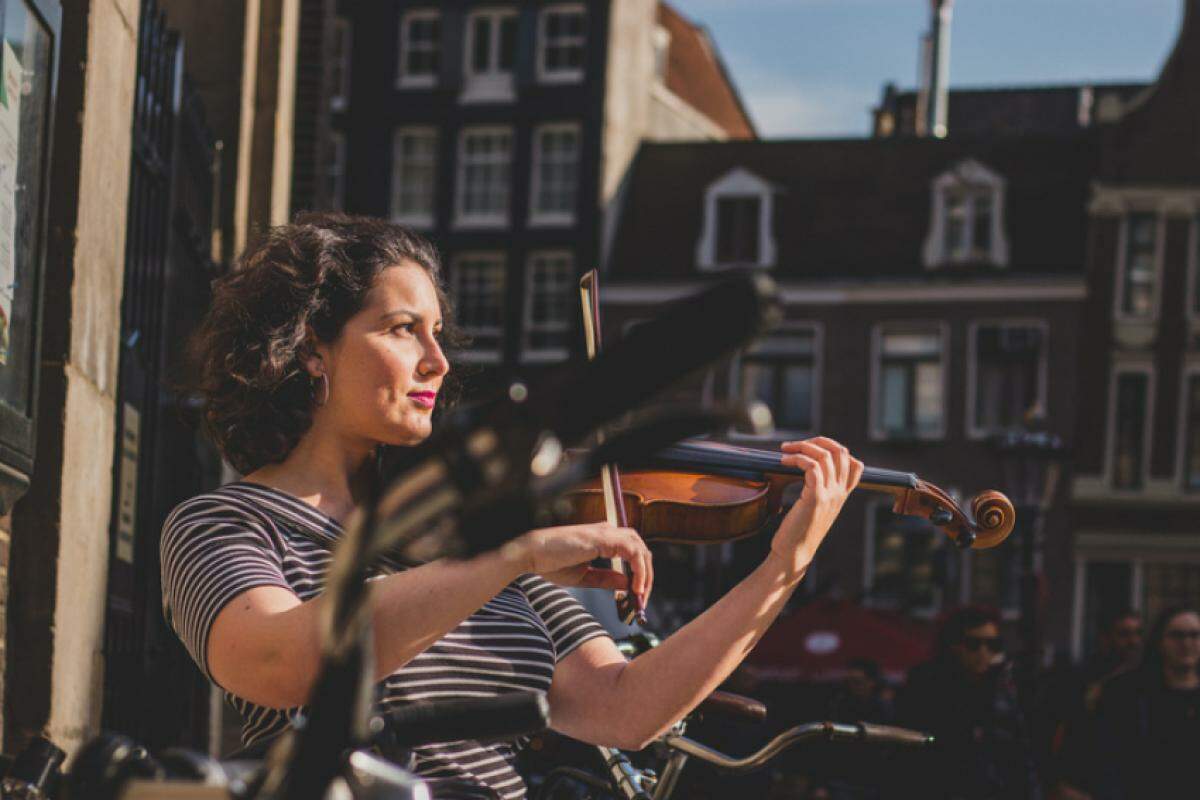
938	75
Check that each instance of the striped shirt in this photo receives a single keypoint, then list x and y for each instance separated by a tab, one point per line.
220	544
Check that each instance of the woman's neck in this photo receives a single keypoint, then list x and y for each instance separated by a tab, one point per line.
327	474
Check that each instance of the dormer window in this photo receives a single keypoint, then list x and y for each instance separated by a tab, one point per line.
967	218
738	209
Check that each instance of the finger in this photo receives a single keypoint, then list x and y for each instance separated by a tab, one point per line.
810	467
843	463
596	578
824	457
856	472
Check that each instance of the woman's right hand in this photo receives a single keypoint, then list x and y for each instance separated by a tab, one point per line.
563	555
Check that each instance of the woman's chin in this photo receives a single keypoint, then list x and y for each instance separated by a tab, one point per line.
410	433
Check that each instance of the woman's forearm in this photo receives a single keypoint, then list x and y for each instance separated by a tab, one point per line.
281	651
662	685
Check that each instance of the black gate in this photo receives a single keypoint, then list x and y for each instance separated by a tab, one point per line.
152	690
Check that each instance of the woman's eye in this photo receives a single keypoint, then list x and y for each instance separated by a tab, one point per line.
405	327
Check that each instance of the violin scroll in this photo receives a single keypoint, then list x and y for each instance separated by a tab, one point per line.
994	516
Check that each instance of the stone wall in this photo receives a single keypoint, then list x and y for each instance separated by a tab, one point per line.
60	530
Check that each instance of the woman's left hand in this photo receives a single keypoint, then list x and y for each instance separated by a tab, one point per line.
830	474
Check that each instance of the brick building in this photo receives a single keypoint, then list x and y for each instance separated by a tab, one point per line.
1135	500
504	131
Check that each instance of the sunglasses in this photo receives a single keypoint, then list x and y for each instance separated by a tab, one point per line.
992	643
1179	636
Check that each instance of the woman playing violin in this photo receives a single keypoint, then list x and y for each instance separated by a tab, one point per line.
326	343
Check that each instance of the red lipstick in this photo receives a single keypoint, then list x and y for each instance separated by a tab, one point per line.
425	399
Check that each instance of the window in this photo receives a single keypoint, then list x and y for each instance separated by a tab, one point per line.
555	174
1009	381
490	55
1138	295
550	292
1190	441
902	553
420	49
967	225
484	167
1130	428
339	65
335	171
479	292
738	209
996	576
909	384
414	162
1193	288
781	371
562	36
737	229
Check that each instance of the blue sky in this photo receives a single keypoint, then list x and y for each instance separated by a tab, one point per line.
815	67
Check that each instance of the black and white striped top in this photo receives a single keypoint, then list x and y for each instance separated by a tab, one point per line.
218	545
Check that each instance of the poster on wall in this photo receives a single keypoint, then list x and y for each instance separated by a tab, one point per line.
10	130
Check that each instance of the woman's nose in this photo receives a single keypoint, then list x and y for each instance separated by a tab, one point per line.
434	361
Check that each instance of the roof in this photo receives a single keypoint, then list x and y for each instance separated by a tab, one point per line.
697	75
1014	111
857	208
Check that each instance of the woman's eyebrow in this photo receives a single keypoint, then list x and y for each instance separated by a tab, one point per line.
401	311
416	317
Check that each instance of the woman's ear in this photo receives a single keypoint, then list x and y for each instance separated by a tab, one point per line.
312	359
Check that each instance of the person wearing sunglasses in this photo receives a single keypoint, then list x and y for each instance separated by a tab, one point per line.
1147	723
965	697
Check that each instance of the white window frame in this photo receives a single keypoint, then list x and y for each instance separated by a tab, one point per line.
1160	244
476	355
902	326
538	217
974	432
424	220
404	79
975	174
544	354
868	574
544	74
735	380
337	197
738	182
1190	369
1122	367
492	84
492	219
339	97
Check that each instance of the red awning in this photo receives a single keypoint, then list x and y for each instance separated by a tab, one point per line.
819	640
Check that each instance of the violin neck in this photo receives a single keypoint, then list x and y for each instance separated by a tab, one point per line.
747	462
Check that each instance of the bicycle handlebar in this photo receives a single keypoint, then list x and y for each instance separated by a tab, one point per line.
829	731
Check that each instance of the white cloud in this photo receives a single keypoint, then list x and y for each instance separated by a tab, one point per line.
805	111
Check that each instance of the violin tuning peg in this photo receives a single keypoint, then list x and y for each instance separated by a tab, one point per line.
941	516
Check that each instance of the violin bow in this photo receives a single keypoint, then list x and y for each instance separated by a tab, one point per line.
629	606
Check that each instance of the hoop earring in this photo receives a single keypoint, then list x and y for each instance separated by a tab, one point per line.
324	396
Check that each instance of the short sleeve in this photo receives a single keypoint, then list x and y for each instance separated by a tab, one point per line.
569	623
212	551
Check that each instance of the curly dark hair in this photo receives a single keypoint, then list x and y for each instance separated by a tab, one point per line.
247	353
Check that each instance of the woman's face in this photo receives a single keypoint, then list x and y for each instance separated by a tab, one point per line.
386	367
1181	642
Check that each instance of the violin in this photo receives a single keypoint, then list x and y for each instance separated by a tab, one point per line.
703	492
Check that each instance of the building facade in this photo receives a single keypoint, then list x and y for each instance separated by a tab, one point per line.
933	293
1135	499
504	131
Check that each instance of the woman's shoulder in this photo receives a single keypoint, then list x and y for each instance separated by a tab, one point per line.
224	506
